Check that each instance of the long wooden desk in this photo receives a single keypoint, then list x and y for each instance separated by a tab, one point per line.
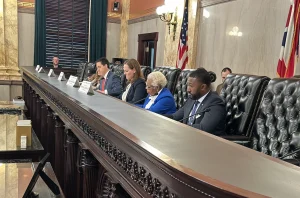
113	147
15	178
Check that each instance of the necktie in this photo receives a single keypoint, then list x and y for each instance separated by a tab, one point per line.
103	84
192	118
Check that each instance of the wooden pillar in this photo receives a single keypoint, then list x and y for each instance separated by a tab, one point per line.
124	29
37	128
33	107
24	90
50	135
31	93
71	149
44	112
59	150
90	174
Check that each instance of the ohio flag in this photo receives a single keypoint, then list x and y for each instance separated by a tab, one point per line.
290	43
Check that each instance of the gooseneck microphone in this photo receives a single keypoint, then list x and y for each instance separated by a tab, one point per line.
289	154
143	99
203	111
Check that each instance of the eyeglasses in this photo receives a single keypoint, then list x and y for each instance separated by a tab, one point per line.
150	87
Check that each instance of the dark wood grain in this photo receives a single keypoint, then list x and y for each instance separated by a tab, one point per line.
59	150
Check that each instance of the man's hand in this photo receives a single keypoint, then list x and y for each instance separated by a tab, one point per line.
99	91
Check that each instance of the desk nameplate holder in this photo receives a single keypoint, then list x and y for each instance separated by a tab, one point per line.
37	68
51	73
61	76
86	87
73	81
41	70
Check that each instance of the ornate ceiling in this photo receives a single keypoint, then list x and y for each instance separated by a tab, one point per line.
138	8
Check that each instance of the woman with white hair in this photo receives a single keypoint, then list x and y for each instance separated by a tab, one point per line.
160	100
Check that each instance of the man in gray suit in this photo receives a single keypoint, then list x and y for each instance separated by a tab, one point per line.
204	110
110	83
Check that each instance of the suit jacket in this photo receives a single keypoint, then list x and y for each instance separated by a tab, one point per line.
219	88
163	104
213	121
136	92
112	84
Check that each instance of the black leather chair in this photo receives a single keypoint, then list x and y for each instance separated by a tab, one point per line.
171	74
146	70
242	94
118	70
276	130
180	93
86	70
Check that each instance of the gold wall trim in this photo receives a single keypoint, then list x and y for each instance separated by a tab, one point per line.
144	18
205	3
26	4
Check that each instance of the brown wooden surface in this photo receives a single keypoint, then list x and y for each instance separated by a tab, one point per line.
180	159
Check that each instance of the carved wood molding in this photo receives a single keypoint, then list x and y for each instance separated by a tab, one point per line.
205	3
140	173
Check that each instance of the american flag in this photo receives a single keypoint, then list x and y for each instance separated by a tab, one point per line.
290	43
182	45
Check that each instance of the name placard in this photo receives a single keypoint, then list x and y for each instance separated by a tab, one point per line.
73	81
86	87
37	68
41	70
51	73
61	76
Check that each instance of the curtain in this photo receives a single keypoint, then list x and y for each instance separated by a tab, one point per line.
98	22
40	33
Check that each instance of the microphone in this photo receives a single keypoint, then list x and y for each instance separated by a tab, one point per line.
139	100
203	111
143	99
291	153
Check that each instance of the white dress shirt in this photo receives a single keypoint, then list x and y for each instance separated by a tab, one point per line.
124	95
200	100
152	99
105	77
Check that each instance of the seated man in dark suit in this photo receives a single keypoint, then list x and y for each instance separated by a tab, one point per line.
204	110
110	83
224	74
55	62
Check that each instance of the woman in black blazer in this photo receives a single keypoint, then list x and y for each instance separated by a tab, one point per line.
136	88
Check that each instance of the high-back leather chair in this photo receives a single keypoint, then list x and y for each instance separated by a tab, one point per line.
146	70
242	94
180	93
171	74
119	71
276	130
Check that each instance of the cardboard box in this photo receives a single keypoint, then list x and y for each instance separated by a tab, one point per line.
23	129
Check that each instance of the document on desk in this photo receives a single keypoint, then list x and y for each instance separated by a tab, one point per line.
73	81
86	87
61	76
51	73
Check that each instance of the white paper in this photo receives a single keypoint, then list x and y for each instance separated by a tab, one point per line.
37	68
86	87
41	70
61	76
23	142
73	81
51	73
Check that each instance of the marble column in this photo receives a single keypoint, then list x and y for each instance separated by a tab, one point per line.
124	29
171	46
9	69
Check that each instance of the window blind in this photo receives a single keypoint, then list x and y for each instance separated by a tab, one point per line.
67	29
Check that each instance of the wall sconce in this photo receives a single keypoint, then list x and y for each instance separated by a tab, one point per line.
116	6
168	13
235	32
